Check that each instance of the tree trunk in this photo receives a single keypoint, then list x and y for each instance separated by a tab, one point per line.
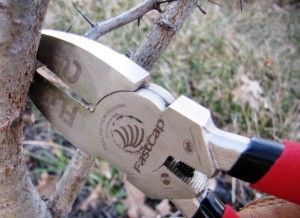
20	24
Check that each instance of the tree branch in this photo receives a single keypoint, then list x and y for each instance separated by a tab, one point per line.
69	186
161	34
133	14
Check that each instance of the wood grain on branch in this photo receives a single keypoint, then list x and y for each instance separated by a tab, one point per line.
133	14
20	24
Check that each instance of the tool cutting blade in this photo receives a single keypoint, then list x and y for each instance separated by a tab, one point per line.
89	68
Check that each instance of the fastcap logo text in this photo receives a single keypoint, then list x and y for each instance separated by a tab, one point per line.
150	143
128	133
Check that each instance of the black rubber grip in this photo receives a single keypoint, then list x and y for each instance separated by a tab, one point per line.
256	160
210	206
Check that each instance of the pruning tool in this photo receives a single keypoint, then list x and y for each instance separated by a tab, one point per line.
104	104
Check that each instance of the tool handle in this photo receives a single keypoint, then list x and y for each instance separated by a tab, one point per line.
282	180
211	206
271	167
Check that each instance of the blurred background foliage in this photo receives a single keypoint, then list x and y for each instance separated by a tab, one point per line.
244	66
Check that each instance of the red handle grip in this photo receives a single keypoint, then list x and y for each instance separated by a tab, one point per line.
229	212
283	178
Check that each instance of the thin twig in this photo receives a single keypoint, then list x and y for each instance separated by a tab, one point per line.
133	14
92	24
46	144
241	4
201	9
214	3
70	27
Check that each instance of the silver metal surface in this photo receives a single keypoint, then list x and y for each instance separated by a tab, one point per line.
188	207
226	148
89	68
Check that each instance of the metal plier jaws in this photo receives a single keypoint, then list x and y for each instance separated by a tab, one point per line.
166	147
134	125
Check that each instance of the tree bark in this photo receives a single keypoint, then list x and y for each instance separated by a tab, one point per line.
20	24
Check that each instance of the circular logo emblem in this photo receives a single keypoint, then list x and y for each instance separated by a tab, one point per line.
188	146
127	133
165	178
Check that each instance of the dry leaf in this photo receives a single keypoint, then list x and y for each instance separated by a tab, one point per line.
135	203
164	208
46	185
93	199
105	170
250	91
268	62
